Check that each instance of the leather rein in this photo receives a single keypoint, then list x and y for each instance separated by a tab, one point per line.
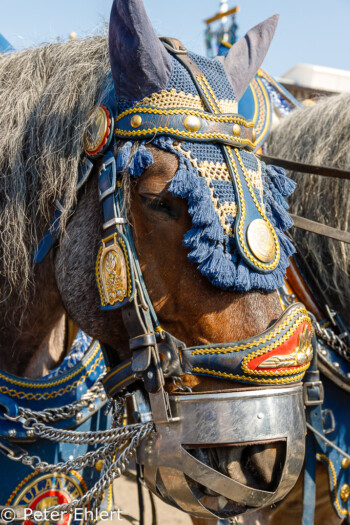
323	171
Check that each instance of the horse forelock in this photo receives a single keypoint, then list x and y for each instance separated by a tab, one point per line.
320	135
46	94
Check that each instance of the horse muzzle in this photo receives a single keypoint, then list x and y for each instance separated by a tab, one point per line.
173	470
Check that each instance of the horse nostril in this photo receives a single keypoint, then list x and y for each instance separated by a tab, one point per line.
259	466
262	464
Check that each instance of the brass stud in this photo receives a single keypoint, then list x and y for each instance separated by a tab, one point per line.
345	463
79	416
136	121
192	123
99	465
345	492
92	407
236	130
253	135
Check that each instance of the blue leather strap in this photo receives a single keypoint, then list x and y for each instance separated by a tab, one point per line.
313	390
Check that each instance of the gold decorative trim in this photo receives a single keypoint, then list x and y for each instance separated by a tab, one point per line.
276	344
254	260
255	342
324	458
230	119
48	384
225	375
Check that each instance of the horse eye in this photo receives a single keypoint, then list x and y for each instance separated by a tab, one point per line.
160	205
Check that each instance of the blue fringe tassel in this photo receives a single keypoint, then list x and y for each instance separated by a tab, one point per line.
142	160
209	247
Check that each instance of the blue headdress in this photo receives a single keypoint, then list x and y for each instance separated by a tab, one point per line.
188	106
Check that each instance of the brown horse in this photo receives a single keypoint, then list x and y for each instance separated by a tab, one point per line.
46	95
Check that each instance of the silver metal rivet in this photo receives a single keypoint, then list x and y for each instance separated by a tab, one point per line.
12	432
79	416
336	365
92	407
30	433
324	352
71	457
103	397
260	415
149	375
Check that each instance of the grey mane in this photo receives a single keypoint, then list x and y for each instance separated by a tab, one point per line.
46	94
320	135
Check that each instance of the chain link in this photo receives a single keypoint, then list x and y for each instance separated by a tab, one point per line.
117	446
51	415
332	340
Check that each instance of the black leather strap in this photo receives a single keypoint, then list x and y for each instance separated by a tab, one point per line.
301	167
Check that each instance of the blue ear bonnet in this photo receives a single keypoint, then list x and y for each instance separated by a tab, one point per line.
213	198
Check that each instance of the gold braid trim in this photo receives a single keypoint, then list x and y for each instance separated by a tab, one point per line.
225	375
231	119
256	262
256	342
325	459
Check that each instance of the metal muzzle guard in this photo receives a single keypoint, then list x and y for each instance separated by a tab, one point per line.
219	419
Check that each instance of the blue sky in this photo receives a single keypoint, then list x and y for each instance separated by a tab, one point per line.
310	31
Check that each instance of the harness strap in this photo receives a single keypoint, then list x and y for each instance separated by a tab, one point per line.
313	399
320	229
302	167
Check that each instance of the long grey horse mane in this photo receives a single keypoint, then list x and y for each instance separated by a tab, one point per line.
320	135
46	95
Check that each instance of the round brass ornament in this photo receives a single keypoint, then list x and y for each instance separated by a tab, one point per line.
192	123
345	463
261	241
98	131
236	129
345	492
136	121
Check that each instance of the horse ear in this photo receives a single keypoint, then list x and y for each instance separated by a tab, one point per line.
140	64
246	56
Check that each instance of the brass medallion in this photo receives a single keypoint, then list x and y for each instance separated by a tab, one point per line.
261	241
97	130
113	274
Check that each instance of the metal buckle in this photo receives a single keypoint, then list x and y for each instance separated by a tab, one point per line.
313	385
111	189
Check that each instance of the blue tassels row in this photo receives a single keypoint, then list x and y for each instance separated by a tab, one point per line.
214	253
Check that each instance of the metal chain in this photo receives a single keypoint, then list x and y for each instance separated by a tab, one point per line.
51	415
115	470
117	446
332	340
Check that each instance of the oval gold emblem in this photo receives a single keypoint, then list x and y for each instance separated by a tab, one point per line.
97	131
261	241
192	123
113	272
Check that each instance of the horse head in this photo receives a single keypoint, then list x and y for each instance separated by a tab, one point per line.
174	254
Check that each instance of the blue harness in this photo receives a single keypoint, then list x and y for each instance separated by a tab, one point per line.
75	380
